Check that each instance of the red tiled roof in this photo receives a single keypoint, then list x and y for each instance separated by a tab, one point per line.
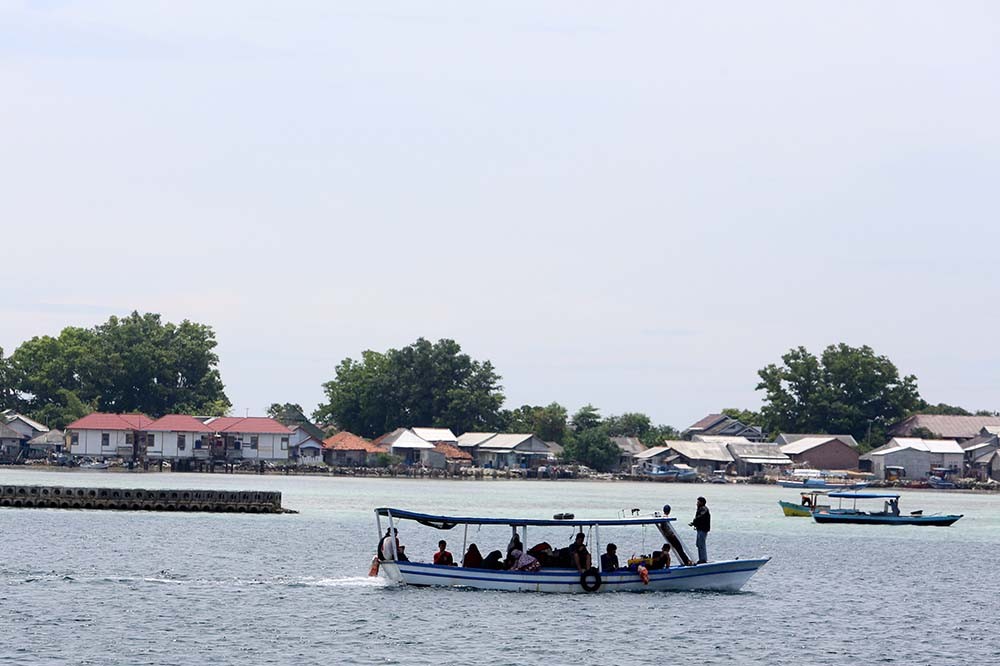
255	424
346	441
100	421
178	423
451	452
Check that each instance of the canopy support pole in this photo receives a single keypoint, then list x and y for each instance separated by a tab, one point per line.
465	538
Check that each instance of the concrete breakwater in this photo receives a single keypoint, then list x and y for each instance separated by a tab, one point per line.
139	499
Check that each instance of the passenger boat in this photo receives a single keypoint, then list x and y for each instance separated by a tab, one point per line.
890	514
726	575
821	483
808	502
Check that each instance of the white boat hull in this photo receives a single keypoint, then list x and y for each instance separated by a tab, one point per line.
725	576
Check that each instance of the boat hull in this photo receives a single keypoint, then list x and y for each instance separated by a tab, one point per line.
869	519
793	509
726	576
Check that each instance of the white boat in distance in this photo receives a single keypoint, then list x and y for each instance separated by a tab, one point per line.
724	576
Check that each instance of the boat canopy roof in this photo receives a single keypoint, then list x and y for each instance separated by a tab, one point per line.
448	522
866	495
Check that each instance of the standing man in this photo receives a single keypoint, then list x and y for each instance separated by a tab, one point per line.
703	524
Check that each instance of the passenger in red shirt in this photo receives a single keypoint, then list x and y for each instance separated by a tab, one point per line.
442	556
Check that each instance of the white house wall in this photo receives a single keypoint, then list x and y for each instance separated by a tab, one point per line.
269	446
89	443
165	444
917	463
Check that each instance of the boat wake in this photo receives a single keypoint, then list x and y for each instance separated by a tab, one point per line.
347	581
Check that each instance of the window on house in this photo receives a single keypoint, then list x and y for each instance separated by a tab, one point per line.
105	439
197	443
150	440
181	442
253	441
129	438
237	445
284	443
74	439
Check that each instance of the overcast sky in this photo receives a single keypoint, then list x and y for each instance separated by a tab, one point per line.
636	206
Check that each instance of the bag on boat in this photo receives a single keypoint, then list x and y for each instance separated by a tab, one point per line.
374	570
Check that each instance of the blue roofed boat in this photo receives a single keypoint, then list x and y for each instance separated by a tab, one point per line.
890	514
725	575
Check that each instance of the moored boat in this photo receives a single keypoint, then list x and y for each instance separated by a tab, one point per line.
890	515
726	575
808	503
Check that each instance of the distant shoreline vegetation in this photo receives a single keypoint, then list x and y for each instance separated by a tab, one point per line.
139	363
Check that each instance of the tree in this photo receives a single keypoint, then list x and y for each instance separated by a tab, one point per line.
421	384
629	424
846	390
586	418
547	422
941	408
133	364
593	447
744	416
289	413
8	384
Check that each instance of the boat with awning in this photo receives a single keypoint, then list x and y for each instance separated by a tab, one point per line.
890	514
725	575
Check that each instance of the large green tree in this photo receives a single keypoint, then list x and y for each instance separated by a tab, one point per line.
136	363
593	447
845	390
549	422
420	384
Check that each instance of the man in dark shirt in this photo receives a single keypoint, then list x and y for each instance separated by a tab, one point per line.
609	560
579	554
442	556
703	524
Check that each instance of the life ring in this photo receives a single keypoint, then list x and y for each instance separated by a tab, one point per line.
590	580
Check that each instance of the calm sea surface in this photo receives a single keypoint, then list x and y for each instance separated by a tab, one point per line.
95	587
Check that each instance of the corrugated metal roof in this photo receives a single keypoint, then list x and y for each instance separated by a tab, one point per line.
474	438
789	437
508	442
721	439
34	425
435	434
807	444
945	426
652	452
47	438
630	445
757	451
767	461
407	439
711	451
6	432
916	444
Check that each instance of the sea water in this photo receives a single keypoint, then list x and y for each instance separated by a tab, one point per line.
101	587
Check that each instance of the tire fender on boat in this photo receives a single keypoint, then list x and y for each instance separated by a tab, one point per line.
590	580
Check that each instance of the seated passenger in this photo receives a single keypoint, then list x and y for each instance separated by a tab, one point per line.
524	562
473	558
609	560
494	560
442	556
579	553
661	558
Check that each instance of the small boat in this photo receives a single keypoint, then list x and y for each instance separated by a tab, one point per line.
681	473
94	465
819	482
725	575
718	476
808	503
890	514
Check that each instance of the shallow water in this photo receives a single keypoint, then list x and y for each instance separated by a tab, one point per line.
94	587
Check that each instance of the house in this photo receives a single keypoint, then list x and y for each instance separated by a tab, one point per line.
45	444
448	456
406	444
720	424
346	448
753	458
913	458
176	436
249	438
104	435
10	442
705	456
978	450
653	458
29	428
629	447
820	451
943	426
308	452
500	450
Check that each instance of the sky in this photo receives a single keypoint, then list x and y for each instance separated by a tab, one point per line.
636	206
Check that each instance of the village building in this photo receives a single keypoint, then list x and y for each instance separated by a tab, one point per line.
101	435
406	445
29	428
10	443
347	449
652	459
435	435
629	447
305	447
914	458
249	438
448	456
722	425
820	451
943	426
704	456
176	436
46	444
511	450
978	453
754	458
